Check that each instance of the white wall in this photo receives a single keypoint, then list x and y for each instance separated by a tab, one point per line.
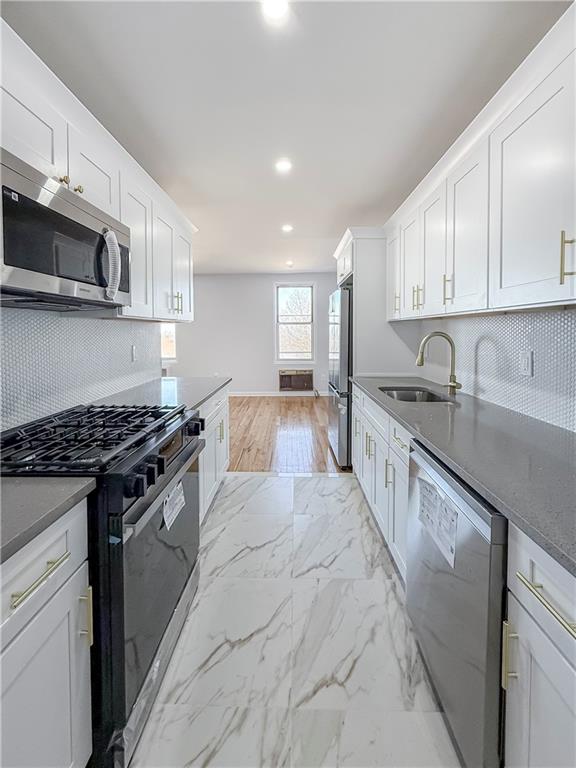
233	330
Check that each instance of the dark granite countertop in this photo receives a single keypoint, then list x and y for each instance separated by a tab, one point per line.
30	504
170	390
522	466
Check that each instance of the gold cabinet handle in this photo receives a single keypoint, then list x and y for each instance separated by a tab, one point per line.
356	433
396	302
89	631
17	598
398	441
419	290
64	179
366	438
180	302
387	480
570	627
445	297
414	297
370	441
79	188
563	243
505	670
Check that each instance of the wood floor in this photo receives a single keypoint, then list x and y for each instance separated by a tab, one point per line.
280	434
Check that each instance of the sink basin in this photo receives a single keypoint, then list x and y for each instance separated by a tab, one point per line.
414	395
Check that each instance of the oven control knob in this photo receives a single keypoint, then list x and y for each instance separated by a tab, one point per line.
194	427
135	486
159	462
151	472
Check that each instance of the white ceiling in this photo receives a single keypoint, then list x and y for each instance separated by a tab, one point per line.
364	97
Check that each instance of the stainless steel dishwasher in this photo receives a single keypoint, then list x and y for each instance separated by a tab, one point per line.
455	592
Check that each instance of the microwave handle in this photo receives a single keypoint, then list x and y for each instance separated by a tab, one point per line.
114	263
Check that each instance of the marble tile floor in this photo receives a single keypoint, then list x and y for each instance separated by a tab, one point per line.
297	652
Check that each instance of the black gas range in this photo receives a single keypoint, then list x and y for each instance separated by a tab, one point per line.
143	536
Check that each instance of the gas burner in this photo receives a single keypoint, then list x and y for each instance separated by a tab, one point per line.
88	439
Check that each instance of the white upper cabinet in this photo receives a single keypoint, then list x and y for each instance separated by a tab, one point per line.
163	237
467	252
136	213
393	274
183	288
31	128
532	196
433	251
411	265
94	169
345	262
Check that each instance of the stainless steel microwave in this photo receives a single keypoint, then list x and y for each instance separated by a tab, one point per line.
59	252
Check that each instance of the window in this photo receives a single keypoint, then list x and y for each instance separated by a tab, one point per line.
168	341
294	322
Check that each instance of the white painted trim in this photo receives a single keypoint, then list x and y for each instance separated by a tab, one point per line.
304	393
304	284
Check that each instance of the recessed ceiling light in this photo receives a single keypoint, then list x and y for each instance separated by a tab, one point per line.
275	11
284	165
287	228
289	264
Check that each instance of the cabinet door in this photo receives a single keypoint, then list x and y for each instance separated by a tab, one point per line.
136	213
46	709
433	248
345	263
31	128
163	236
382	481
223	444
366	463
398	511
467	224
393	292
356	441
183	277
532	195
209	463
541	700
410	263
94	167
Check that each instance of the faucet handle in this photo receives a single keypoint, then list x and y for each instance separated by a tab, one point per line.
453	385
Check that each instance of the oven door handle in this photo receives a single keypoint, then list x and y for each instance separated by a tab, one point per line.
136	527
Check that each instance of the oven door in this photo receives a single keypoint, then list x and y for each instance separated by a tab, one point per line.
160	553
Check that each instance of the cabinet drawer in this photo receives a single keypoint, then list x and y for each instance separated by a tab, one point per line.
379	416
400	440
38	570
544	587
209	409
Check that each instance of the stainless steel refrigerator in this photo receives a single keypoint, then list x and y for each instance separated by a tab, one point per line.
339	371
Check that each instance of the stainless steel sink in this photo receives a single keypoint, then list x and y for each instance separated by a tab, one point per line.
414	395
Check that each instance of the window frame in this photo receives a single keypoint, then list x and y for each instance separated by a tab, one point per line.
170	360
295	284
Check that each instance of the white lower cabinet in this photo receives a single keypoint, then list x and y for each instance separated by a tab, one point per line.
398	509
382	470
540	697
46	710
215	457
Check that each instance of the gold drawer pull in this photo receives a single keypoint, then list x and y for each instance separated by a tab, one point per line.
17	598
79	188
533	588
505	671
64	179
563	243
89	632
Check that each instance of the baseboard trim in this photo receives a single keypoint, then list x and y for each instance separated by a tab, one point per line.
277	394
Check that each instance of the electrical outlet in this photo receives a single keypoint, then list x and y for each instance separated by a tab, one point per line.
527	363
133	353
